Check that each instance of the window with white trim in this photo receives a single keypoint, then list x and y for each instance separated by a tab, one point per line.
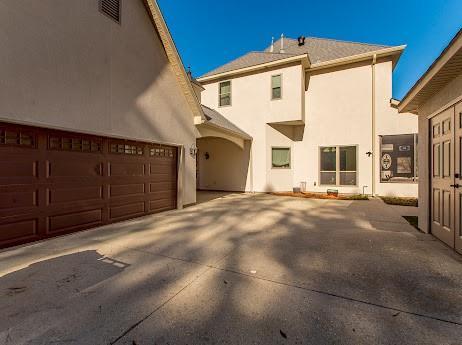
224	93
338	166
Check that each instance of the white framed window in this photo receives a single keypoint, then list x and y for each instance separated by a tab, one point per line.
280	157
338	166
276	87
224	93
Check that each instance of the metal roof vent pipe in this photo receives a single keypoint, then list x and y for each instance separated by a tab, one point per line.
301	41
282	44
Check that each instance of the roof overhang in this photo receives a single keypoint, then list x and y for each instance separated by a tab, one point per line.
394	52
173	56
207	130
305	62
445	68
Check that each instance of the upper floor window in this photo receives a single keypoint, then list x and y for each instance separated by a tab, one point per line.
276	86
224	93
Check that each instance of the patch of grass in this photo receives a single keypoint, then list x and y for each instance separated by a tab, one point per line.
308	195
354	197
400	201
413	220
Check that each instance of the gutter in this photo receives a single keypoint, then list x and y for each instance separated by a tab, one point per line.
374	62
357	58
304	58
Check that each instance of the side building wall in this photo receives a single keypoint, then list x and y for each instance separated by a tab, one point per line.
448	96
67	66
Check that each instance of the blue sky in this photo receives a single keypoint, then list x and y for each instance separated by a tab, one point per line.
209	33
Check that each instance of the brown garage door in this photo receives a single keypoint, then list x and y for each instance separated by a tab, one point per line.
54	182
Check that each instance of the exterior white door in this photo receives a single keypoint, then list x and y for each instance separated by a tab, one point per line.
446	181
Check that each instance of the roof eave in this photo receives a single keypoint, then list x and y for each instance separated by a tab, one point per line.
302	58
392	51
226	130
173	56
408	103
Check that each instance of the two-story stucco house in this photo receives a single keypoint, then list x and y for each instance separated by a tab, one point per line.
320	116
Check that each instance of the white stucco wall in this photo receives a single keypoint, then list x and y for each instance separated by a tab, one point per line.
65	65
337	112
390	122
252	108
227	165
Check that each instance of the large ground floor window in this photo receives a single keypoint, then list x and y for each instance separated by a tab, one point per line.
398	158
338	165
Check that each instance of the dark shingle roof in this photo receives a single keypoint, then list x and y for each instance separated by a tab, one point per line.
317	49
215	118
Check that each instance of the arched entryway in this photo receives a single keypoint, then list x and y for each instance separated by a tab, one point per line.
222	165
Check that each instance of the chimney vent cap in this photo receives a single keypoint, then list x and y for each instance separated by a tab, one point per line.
301	41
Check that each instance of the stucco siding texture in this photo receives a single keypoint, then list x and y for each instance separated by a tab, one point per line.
337	110
338	113
390	122
68	66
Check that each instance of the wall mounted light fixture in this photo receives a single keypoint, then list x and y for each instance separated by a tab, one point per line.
193	150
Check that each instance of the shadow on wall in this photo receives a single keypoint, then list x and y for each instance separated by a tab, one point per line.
293	132
222	165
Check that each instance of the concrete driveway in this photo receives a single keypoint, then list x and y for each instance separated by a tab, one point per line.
240	269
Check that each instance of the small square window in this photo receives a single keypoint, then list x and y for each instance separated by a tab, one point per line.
280	158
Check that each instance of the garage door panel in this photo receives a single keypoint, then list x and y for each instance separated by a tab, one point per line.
162	178
122	190
55	182
127	211
126	169
74	168
18	167
60	195
162	186
167	194
15	231
73	221
162	169
161	205
16	199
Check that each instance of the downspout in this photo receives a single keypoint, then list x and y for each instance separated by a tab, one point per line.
374	61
